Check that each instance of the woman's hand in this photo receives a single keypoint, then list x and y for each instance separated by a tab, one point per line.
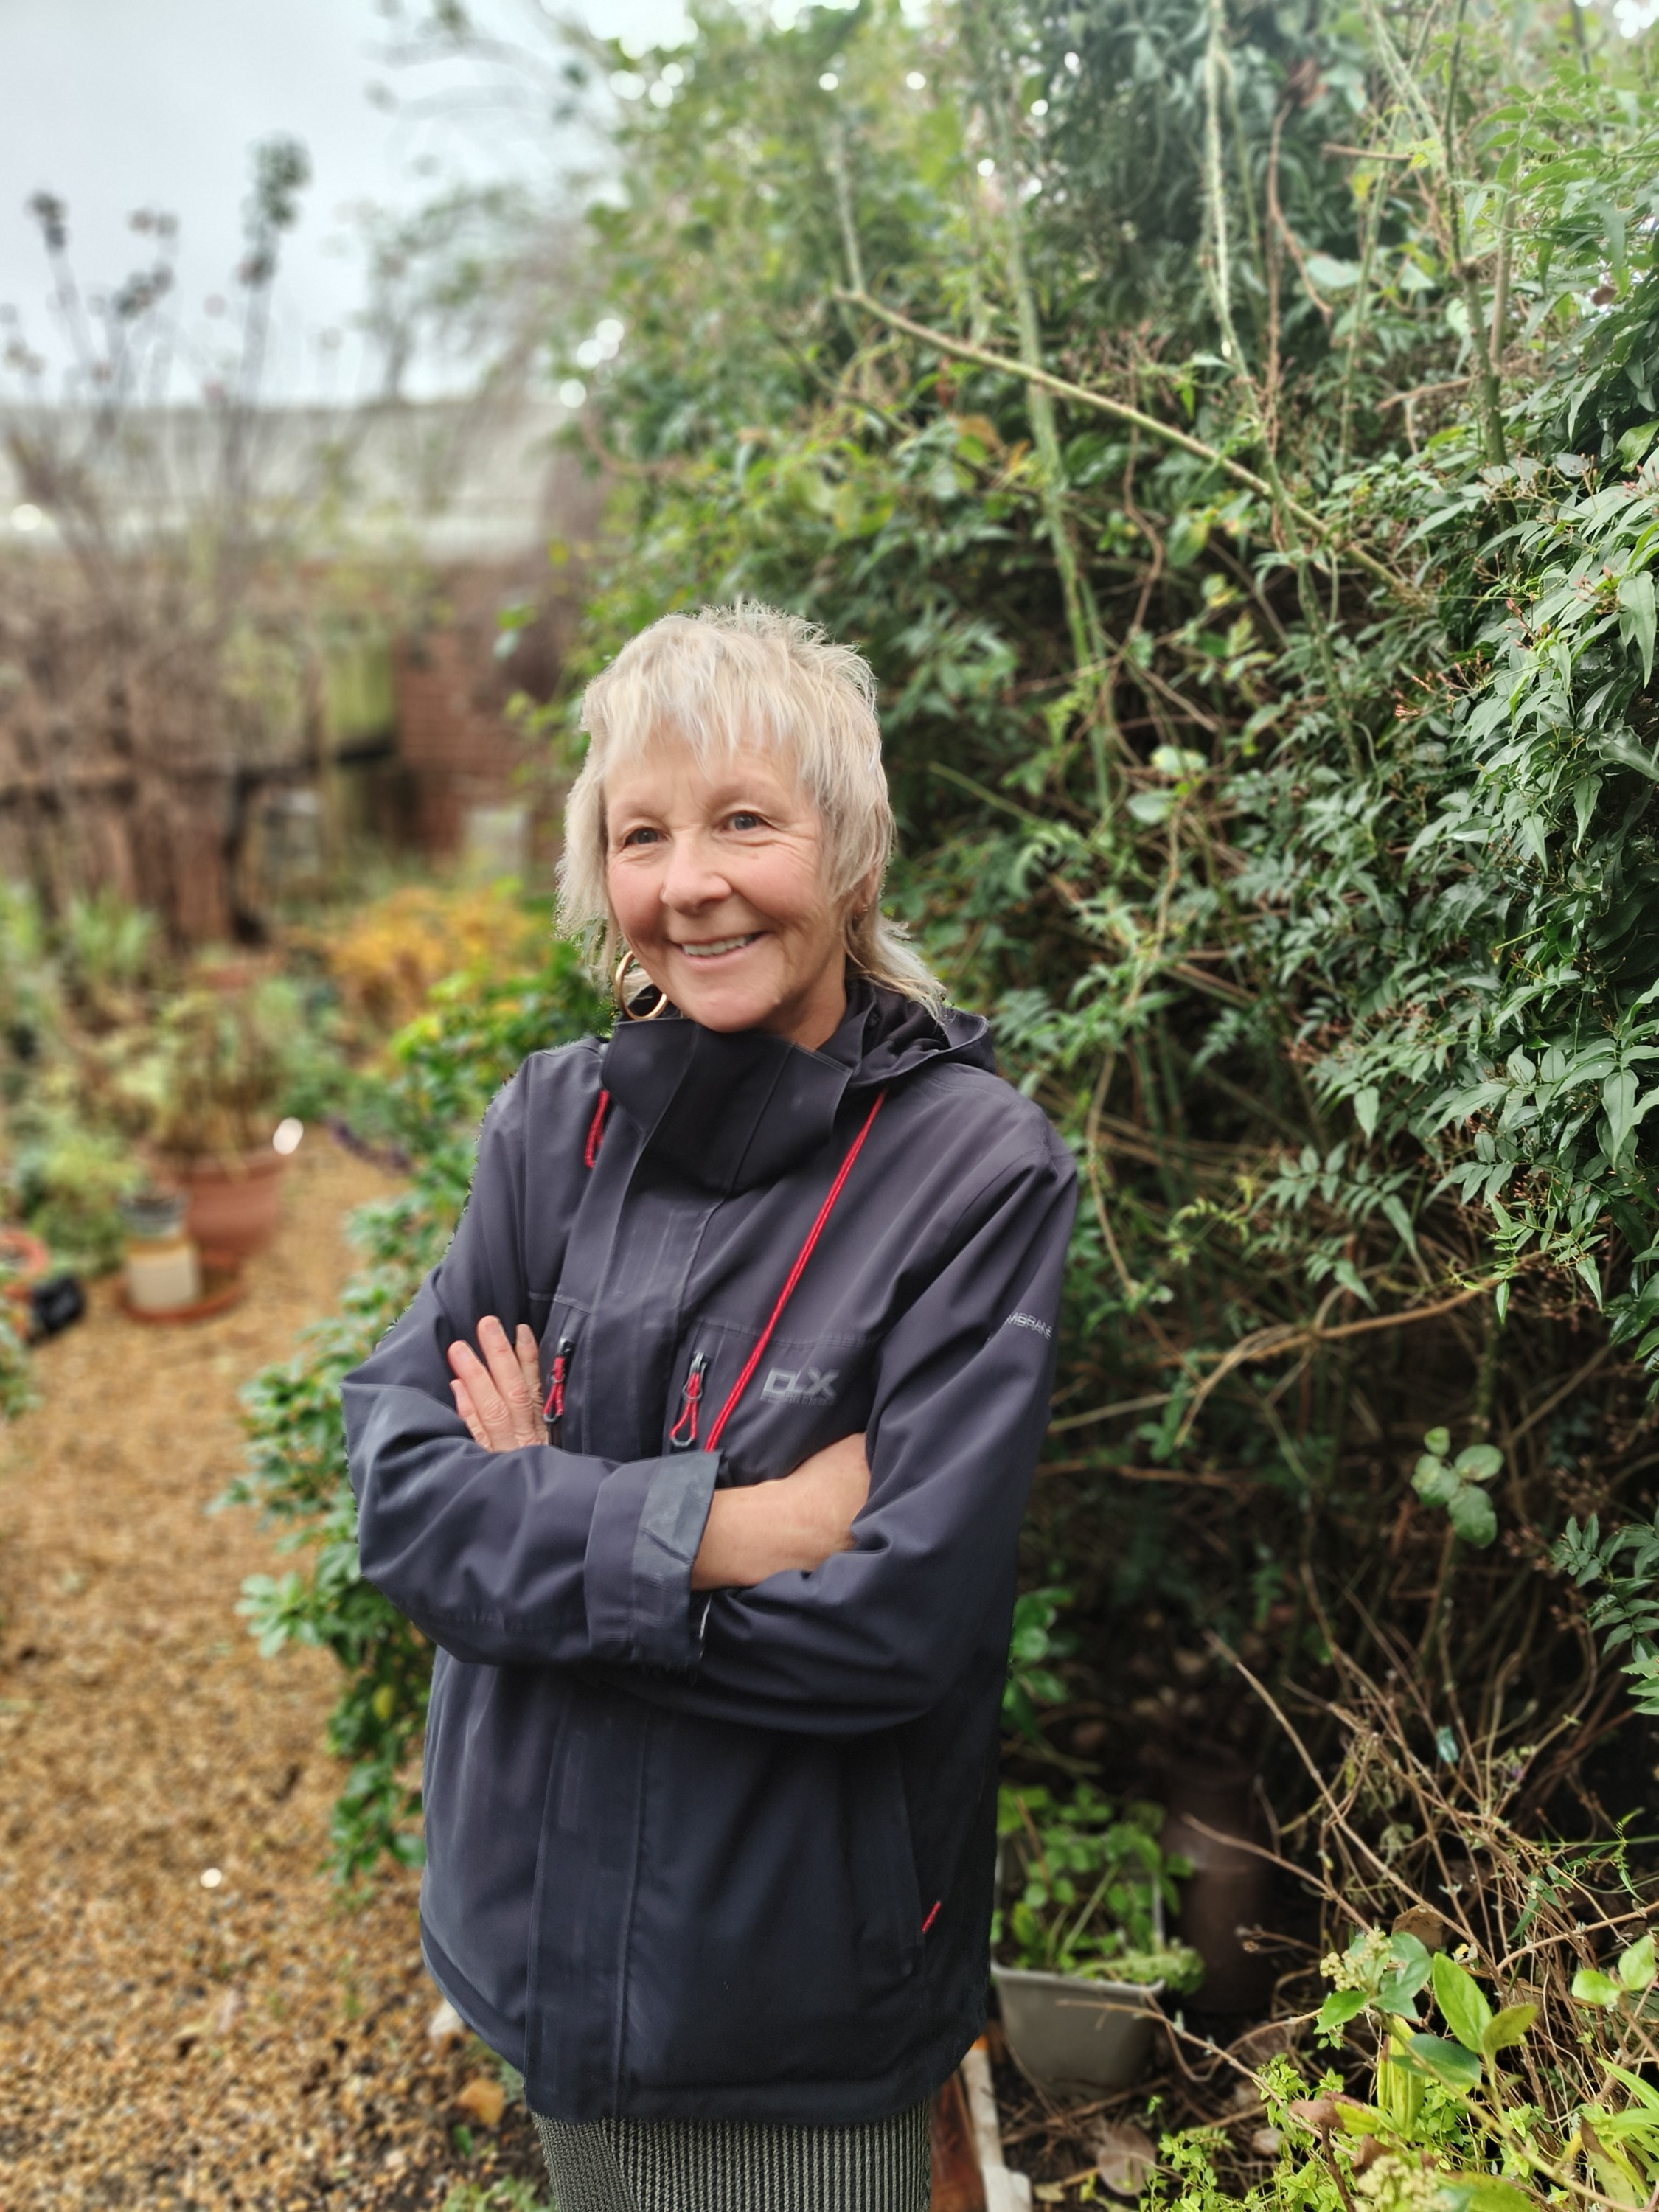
799	1521
499	1396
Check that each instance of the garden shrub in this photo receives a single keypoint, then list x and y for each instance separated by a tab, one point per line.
1269	712
386	958
445	1066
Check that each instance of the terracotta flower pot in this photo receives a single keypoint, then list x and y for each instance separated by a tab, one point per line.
24	1261
233	1206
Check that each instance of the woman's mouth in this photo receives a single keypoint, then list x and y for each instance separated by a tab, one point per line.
717	946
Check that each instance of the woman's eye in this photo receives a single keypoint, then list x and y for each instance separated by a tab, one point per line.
640	836
745	819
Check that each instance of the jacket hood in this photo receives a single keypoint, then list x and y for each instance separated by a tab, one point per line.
729	1109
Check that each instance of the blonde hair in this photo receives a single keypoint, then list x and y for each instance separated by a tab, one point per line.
745	675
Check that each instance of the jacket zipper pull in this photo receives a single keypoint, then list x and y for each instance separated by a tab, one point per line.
683	1437
553	1411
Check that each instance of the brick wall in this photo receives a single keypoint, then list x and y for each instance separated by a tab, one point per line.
454	740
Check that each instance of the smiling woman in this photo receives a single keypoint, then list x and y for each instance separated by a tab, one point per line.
715	875
701	1457
756	711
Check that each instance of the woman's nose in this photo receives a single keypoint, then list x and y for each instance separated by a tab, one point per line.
691	879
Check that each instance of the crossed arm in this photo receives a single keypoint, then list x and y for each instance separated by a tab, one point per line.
763	1530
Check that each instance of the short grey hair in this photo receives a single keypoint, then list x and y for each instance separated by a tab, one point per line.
724	677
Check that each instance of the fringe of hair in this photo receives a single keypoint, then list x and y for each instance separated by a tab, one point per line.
748	674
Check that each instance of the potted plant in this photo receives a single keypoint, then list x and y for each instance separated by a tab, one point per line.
206	1085
1078	1941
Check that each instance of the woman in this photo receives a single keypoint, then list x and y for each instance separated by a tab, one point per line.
700	1458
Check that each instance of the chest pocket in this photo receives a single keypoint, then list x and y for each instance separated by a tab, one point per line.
558	1326
801	1394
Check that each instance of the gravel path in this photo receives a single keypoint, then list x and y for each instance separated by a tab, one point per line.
163	2044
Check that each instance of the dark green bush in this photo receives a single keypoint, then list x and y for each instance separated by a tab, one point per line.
1271	716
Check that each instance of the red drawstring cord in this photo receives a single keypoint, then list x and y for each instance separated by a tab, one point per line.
690	1399
795	1274
596	1129
554	1409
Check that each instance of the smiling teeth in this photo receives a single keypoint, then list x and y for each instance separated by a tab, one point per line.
720	945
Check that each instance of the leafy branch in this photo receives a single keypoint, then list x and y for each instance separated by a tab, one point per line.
1407	594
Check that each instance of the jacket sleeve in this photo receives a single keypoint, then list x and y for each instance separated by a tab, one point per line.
530	1557
878	1635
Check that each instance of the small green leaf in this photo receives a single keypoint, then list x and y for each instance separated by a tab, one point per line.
1641	2093
1461	2001
1635	1968
1188	536
1435	1482
1438	1442
1449	2063
1484	2192
1472	1516
1340	2007
1398	1988
1400	1221
1179	761
1360	2119
1365	1103
1591	1987
1619	1098
1479	1462
1507	2028
1633	445
1151	807
1331	275
1636	617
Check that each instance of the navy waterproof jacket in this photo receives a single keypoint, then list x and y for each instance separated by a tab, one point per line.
728	1857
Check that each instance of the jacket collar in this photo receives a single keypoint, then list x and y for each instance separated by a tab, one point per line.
728	1110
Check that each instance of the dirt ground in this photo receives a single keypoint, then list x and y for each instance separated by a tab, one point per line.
169	2039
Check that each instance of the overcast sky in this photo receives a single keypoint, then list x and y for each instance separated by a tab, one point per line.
118	105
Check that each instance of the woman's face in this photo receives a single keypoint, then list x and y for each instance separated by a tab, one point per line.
716	876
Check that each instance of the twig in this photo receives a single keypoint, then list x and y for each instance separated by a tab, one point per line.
1107	1412
1276	217
1171	1475
1287	1336
1423	390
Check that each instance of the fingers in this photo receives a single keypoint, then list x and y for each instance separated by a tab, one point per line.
469	1414
507	1372
483	1403
492	1394
528	1355
500	1388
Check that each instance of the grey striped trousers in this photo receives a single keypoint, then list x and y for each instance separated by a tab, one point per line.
738	2166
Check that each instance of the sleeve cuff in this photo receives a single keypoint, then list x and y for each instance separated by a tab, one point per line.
648	1522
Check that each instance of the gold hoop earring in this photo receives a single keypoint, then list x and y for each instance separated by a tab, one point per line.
623	1009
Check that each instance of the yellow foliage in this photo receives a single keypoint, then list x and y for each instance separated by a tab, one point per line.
388	956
